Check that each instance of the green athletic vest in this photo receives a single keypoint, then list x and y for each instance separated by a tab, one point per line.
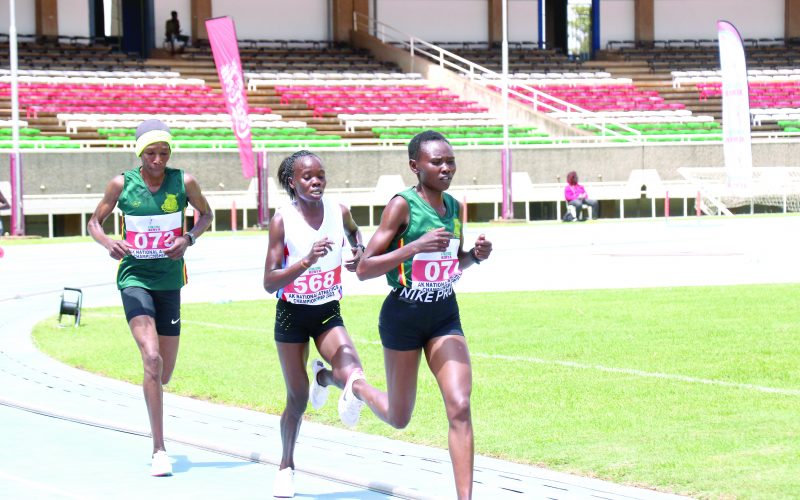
421	219
148	217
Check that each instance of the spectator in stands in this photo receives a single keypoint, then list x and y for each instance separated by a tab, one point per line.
576	197
172	33
3	206
153	199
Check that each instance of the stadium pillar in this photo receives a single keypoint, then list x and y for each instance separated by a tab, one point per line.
495	21
47	19
201	10
791	19
343	13
262	177
644	21
17	215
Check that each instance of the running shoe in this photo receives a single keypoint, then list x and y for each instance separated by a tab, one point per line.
349	405
161	465
283	486
317	393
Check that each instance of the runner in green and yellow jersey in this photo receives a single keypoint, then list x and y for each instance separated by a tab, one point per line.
419	247
153	200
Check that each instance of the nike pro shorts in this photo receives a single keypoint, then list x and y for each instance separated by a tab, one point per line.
162	305
410	319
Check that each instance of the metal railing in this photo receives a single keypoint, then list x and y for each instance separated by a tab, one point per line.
536	98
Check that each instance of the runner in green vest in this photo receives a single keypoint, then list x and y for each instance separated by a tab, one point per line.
419	247
153	200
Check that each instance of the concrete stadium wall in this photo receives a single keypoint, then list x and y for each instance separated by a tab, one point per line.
71	173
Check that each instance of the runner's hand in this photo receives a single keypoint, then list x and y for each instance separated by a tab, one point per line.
176	246
483	248
436	240
351	264
118	249
319	249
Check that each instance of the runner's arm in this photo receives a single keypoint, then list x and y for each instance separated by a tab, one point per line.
354	237
198	201
375	262
275	275
116	248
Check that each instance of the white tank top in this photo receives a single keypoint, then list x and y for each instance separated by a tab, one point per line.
322	282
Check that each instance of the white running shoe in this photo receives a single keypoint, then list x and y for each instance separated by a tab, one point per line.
317	393
349	405
161	465
283	486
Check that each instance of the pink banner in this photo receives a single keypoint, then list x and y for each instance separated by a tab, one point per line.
222	37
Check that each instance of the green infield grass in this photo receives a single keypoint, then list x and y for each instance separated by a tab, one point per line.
690	390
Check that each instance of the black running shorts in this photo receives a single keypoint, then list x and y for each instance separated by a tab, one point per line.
162	305
409	319
297	323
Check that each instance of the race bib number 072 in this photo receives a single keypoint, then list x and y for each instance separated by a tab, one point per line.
149	235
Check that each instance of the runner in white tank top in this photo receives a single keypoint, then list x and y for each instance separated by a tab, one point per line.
303	266
322	282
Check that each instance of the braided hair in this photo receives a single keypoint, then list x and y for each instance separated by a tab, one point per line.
286	170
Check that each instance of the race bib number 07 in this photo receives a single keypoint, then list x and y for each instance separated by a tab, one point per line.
148	235
436	270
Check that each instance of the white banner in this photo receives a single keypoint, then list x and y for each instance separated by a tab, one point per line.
735	109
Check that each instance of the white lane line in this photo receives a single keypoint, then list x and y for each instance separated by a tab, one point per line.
39	486
570	364
641	373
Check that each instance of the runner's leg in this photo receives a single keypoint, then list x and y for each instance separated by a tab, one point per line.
168	347
143	329
337	349
448	359
397	404
293	358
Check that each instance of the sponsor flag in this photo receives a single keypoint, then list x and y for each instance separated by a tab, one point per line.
222	37
735	109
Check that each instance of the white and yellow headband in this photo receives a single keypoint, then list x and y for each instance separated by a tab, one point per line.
150	132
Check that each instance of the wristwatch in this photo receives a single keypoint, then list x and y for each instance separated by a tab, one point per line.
191	238
474	257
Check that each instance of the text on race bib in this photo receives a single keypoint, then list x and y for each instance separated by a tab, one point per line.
315	286
436	270
149	235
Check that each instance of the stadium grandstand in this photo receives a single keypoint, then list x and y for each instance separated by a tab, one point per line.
626	92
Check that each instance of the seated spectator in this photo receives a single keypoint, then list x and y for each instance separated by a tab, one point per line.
172	33
3	205
576	197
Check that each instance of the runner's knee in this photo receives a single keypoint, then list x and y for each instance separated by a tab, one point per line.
458	409
400	419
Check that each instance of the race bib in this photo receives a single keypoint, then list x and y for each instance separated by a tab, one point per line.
436	270
147	234
315	286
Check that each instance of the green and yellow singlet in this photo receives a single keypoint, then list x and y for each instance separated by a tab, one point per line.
423	218
149	218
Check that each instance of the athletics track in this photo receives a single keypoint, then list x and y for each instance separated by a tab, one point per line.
69	434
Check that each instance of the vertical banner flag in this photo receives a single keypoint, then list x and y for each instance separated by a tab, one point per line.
735	109
222	37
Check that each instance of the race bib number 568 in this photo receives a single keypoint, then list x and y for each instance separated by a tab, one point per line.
315	287
148	235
